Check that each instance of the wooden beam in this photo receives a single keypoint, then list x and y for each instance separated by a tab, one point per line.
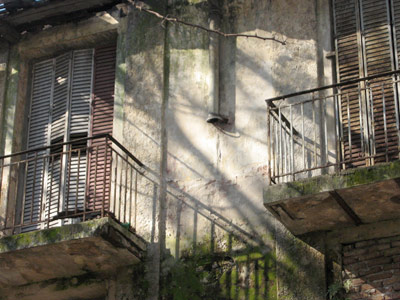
8	33
349	211
53	9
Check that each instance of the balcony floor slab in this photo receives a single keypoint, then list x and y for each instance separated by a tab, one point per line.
357	196
98	246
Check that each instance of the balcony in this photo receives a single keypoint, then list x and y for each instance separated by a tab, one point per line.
67	210
334	155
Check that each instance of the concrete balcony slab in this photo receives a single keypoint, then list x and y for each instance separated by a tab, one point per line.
328	202
98	246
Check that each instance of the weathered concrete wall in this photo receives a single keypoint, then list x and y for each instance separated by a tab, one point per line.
4	50
201	196
211	177
4	61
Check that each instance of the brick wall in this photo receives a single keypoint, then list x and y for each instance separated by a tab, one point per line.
373	266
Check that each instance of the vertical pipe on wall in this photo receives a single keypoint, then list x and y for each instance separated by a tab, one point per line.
214	115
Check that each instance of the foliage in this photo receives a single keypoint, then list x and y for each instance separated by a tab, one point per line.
195	275
338	290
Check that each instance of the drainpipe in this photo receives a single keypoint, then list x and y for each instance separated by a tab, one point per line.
214	115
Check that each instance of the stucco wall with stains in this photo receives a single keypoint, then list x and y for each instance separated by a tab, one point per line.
208	196
201	196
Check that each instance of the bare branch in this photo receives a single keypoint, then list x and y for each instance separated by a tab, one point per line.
140	6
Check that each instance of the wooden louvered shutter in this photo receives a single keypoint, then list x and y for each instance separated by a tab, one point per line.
102	122
364	44
81	90
349	67
379	58
67	105
396	30
396	44
38	136
58	129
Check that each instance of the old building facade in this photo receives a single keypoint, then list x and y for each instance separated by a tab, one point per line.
140	159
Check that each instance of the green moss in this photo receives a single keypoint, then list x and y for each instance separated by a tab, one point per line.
52	235
300	269
319	184
244	273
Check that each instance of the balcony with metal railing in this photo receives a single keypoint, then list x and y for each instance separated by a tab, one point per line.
334	155
67	201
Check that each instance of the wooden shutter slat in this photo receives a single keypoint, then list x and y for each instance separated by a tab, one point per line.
102	122
60	98
38	136
81	89
349	67
379	58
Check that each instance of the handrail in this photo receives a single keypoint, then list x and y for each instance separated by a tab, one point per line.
337	130
340	84
125	150
98	136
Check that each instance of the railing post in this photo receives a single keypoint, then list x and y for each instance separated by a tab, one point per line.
33	187
372	150
396	105
130	197
385	123
269	142
302	136
104	176
338	133
314	120
136	185
325	122
42	189
361	120
280	167
24	196
77	186
1	187
51	191
349	135
126	187
115	184
68	183
291	144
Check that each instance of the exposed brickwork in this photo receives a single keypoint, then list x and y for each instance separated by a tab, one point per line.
373	267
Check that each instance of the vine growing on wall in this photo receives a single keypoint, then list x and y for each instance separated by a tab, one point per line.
141	6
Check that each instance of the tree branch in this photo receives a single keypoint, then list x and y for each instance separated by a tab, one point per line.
141	6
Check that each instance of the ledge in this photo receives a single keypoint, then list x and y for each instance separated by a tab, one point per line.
328	202
97	246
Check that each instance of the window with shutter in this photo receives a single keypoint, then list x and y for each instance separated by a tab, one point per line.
72	96
366	43
349	67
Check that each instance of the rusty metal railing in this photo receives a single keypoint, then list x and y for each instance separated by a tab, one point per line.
66	183
333	128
